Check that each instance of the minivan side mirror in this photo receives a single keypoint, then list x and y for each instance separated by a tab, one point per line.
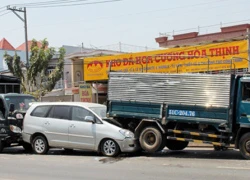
12	108
89	119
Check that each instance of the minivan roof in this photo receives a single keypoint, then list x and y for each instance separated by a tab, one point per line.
85	104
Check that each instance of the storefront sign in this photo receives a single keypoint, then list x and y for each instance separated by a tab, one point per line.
85	91
210	57
71	91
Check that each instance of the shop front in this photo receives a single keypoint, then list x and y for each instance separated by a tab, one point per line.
227	57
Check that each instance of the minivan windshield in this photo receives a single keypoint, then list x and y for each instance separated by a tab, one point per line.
100	111
21	103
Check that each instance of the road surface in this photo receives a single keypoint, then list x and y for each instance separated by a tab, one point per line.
192	163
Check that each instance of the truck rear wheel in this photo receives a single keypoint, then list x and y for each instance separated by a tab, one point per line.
151	139
176	145
244	146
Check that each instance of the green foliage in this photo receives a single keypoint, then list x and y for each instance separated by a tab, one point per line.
15	66
57	72
37	72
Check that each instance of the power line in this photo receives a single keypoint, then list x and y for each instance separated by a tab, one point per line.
72	4
48	2
208	26
117	16
3	10
3	7
79	4
4	14
181	7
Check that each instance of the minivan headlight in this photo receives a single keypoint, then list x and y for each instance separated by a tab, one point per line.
126	133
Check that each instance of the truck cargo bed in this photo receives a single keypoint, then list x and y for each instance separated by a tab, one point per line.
187	89
185	97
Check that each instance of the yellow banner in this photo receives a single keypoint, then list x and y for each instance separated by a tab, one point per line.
85	91
212	57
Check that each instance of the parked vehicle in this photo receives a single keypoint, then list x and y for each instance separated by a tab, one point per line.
12	109
174	109
74	125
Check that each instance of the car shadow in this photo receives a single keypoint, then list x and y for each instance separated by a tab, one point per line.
229	154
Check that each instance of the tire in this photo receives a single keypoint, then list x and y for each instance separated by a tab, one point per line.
40	145
1	146
176	145
151	139
27	147
244	146
163	143
110	148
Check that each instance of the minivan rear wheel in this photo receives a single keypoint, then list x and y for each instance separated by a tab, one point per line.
110	148
40	145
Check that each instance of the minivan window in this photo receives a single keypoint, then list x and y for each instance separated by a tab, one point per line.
78	113
100	111
40	111
60	112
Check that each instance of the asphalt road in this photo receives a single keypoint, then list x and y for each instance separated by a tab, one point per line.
192	163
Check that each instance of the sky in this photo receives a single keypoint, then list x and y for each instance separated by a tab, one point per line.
135	22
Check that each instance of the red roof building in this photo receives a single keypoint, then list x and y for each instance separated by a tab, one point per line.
22	47
5	45
230	33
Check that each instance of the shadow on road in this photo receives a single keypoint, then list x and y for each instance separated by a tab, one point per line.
197	153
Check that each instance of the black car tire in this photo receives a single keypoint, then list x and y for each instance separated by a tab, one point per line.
1	146
244	146
27	147
151	139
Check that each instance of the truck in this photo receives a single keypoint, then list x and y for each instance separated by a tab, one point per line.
171	110
13	106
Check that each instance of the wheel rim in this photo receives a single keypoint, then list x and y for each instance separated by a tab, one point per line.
248	146
109	147
39	145
150	138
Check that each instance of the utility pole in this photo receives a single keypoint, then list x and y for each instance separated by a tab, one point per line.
14	9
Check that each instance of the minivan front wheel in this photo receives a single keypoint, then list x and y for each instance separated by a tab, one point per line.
109	148
40	145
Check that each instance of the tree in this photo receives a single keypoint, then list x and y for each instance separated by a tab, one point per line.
15	66
37	72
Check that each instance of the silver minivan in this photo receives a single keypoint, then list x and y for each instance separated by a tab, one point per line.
74	125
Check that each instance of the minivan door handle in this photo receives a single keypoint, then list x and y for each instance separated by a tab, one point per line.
47	123
243	115
72	126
